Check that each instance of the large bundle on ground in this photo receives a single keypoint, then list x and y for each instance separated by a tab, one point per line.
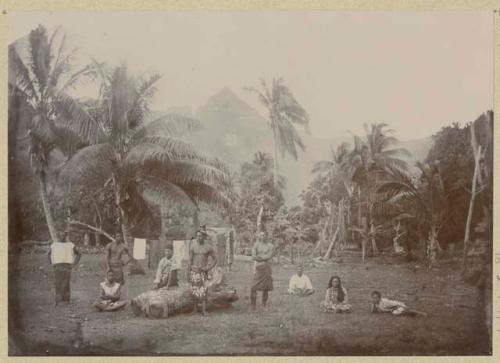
162	303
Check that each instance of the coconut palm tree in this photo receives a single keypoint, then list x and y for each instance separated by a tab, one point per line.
371	158
422	199
146	162
338	171
43	78
284	112
338	166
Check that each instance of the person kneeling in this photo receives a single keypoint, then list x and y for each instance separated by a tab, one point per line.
110	294
300	284
382	305
336	297
166	274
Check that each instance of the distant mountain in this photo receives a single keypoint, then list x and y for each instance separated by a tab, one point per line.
234	131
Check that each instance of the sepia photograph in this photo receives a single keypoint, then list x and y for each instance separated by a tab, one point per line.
250	183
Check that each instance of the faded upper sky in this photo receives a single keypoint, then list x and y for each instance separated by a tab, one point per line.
416	71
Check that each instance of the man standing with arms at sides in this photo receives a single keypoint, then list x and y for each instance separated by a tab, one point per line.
198	268
114	252
63	256
262	252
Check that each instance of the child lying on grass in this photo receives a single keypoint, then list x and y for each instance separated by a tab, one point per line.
383	305
110	294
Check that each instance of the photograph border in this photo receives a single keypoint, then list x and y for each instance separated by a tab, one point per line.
242	5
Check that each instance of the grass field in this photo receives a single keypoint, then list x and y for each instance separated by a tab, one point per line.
289	326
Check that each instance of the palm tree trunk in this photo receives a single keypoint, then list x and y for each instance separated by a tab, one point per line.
322	236
126	230
259	218
328	253
472	200
46	209
370	223
364	240
432	247
124	222
163	222
275	169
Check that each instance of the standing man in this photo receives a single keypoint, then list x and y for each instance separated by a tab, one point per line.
198	268
63	256
114	252
262	252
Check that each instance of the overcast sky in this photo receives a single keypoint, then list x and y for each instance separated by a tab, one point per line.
416	71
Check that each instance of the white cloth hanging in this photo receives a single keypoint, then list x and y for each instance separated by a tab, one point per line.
180	251
139	249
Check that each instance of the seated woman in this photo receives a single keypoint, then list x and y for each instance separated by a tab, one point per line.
335	297
166	274
382	305
300	284
110	294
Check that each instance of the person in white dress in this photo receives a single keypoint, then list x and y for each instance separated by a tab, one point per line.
63	255
300	284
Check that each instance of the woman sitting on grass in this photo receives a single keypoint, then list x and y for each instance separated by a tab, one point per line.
110	294
382	305
166	274
336	297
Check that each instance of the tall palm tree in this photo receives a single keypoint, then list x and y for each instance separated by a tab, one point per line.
371	158
338	171
42	79
284	112
146	162
338	166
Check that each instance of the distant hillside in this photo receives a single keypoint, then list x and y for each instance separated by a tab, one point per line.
234	131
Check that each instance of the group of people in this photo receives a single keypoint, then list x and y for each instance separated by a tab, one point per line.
202	259
335	300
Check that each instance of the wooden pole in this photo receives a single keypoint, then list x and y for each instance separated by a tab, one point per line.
477	156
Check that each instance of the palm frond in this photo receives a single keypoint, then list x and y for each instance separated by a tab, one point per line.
396	152
24	81
322	166
262	98
119	100
182	172
170	125
159	191
68	141
288	139
79	120
94	162
40	55
162	149
142	93
88	70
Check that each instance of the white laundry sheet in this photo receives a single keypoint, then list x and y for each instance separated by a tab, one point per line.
181	252
139	252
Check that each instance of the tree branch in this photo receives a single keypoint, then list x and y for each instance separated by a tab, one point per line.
92	228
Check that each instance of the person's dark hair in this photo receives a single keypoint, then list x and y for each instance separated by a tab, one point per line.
340	295
376	293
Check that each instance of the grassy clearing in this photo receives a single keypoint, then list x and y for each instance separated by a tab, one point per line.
289	326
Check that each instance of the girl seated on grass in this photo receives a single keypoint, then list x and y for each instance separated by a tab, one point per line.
383	305
109	294
335	297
